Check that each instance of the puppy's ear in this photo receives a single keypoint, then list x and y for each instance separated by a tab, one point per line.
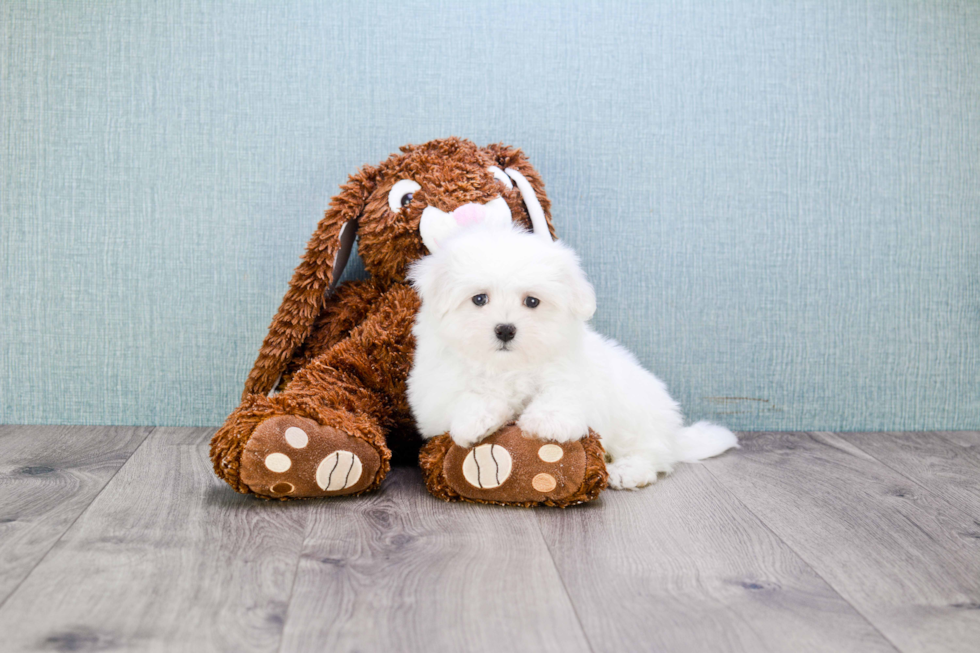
426	277
512	160
317	275
582	301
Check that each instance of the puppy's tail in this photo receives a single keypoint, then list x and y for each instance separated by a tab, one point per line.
704	440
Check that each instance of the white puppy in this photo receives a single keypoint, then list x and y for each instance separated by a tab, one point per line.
502	334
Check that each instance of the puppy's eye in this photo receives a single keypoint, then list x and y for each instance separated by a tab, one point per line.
401	194
531	302
481	299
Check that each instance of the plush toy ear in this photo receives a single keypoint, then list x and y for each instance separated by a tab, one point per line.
515	164
326	255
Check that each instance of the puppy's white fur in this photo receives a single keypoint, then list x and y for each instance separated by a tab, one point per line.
557	376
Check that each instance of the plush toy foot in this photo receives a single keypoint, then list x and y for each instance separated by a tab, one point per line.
278	447
508	468
295	457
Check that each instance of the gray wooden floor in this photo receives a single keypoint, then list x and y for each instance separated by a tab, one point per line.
116	538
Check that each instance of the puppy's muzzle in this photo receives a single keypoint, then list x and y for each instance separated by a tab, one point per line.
505	332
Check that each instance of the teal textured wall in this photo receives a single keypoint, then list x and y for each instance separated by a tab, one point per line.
778	202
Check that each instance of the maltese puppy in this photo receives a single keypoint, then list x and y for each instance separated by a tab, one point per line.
502	334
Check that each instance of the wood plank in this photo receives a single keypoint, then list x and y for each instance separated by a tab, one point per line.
683	566
166	558
962	438
896	551
401	571
946	463
48	476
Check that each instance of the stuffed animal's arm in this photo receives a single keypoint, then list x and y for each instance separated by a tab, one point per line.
365	372
348	306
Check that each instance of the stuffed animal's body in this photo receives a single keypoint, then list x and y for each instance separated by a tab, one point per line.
325	403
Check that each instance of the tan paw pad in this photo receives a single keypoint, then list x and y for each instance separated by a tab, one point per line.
551	453
278	462
282	488
338	471
487	466
296	437
544	482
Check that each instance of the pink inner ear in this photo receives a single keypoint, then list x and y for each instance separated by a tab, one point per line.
469	214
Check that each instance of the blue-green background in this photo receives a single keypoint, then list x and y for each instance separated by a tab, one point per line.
778	202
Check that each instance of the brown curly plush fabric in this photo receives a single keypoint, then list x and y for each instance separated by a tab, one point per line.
341	356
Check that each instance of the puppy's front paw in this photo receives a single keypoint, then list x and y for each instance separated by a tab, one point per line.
467	430
552	425
630	474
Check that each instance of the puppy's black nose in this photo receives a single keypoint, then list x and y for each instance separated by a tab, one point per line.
505	332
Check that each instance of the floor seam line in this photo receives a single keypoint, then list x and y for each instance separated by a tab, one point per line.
292	585
44	557
802	559
564	587
919	483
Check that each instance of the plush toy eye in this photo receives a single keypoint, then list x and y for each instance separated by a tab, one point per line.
499	175
481	299
531	302
401	194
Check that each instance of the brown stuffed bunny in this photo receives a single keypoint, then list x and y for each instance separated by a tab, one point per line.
325	404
